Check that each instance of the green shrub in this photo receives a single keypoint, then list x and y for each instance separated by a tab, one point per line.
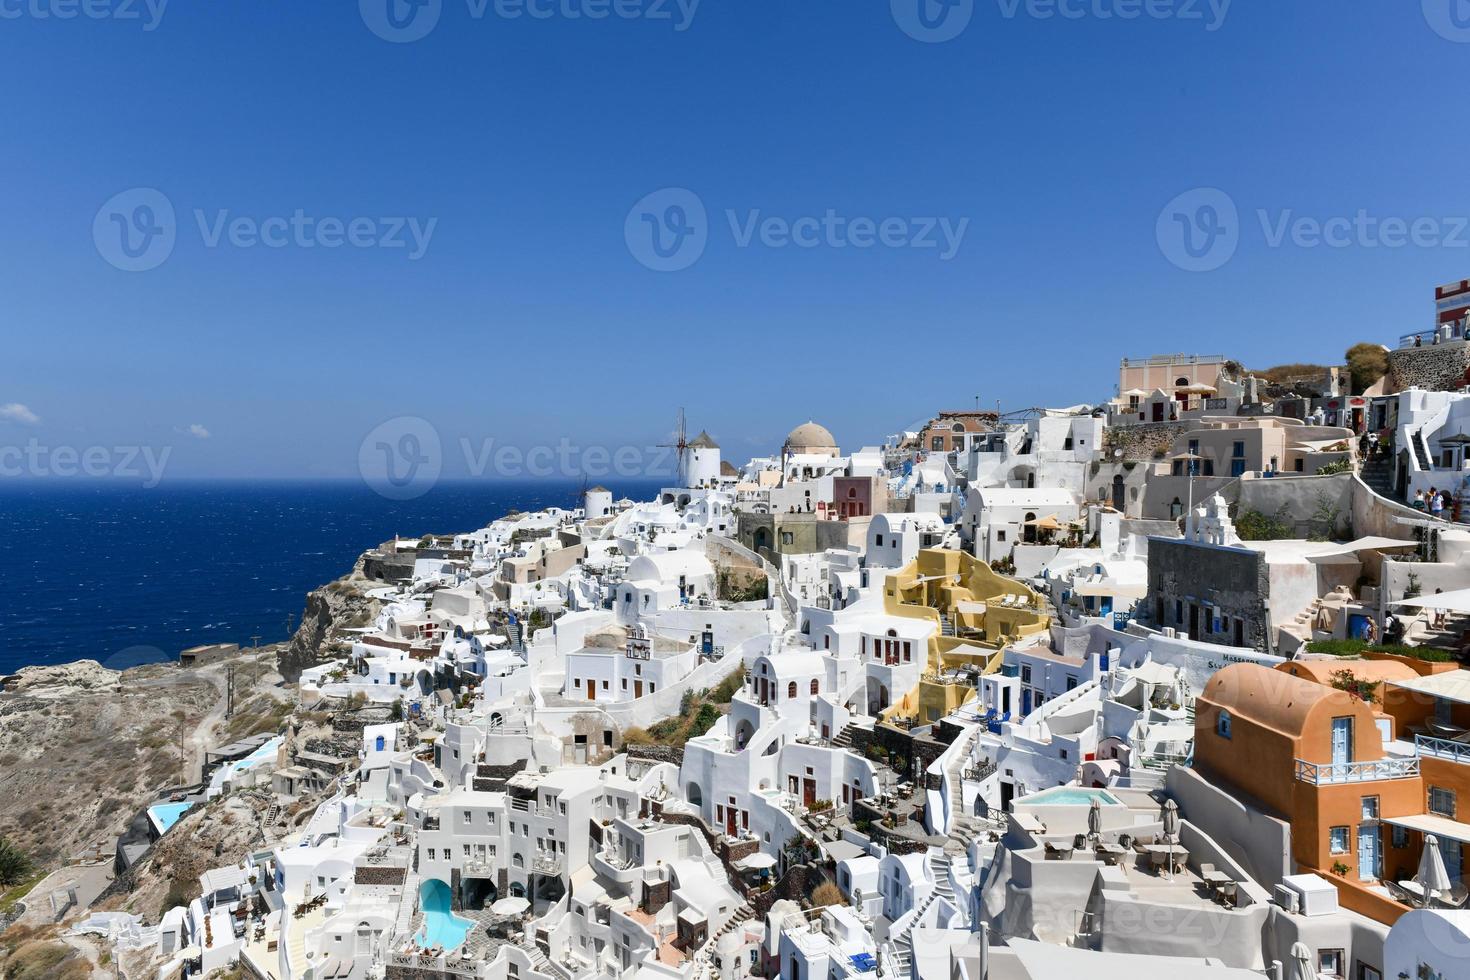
15	864
1252	525
725	690
1356	648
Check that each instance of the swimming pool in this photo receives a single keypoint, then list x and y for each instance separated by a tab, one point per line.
165	815
228	773
1071	796
441	927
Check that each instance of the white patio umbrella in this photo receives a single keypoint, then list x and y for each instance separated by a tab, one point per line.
1432	876
984	972
1094	820
1301	963
1171	830
512	906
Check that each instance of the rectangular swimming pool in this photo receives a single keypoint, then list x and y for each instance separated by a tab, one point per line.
1071	796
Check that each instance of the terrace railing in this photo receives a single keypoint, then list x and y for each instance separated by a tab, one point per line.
1327	773
1442	748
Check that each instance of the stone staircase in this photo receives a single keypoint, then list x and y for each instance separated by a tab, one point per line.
946	625
701	967
403	926
542	963
903	941
939	868
1378	474
843	739
954	778
1301	625
1421	451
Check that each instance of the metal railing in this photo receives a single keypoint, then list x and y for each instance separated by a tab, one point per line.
1442	748
1326	773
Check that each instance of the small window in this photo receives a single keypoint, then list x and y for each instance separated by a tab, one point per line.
1339	840
1222	725
1329	963
1400	837
1442	802
1370	808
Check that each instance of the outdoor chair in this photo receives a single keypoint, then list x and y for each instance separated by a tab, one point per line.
1457	896
1398	893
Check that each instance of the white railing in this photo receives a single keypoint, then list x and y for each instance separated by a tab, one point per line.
1442	748
1325	773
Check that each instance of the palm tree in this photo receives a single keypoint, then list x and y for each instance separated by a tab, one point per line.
15	867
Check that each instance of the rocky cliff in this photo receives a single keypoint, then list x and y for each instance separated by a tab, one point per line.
329	610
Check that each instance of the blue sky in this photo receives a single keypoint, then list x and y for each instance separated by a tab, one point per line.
523	144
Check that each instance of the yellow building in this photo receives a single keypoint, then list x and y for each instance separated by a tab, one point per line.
976	612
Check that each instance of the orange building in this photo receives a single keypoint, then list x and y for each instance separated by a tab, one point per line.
951	432
1358	781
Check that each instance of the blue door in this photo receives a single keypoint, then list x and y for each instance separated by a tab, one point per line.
1368	866
1025	702
1342	741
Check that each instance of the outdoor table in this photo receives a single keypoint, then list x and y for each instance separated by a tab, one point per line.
1110	855
1218	882
1415	890
1162	854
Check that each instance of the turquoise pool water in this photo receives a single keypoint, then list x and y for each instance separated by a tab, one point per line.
441	926
165	815
1072	796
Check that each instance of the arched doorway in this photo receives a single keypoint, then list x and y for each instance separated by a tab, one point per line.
1028	528
1118	501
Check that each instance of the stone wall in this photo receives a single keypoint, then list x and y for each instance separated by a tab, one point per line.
1439	367
1142	442
657	753
1230	579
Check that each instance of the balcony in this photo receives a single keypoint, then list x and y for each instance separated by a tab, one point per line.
479	869
1328	773
545	863
1442	748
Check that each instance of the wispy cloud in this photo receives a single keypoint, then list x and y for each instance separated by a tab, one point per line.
198	431
16	412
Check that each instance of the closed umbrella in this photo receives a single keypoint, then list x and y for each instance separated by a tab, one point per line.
1094	820
1432	876
1301	963
984	972
1171	829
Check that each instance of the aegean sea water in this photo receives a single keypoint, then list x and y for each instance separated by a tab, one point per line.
126	575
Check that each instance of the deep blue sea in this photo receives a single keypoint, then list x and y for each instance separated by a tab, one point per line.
125	575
